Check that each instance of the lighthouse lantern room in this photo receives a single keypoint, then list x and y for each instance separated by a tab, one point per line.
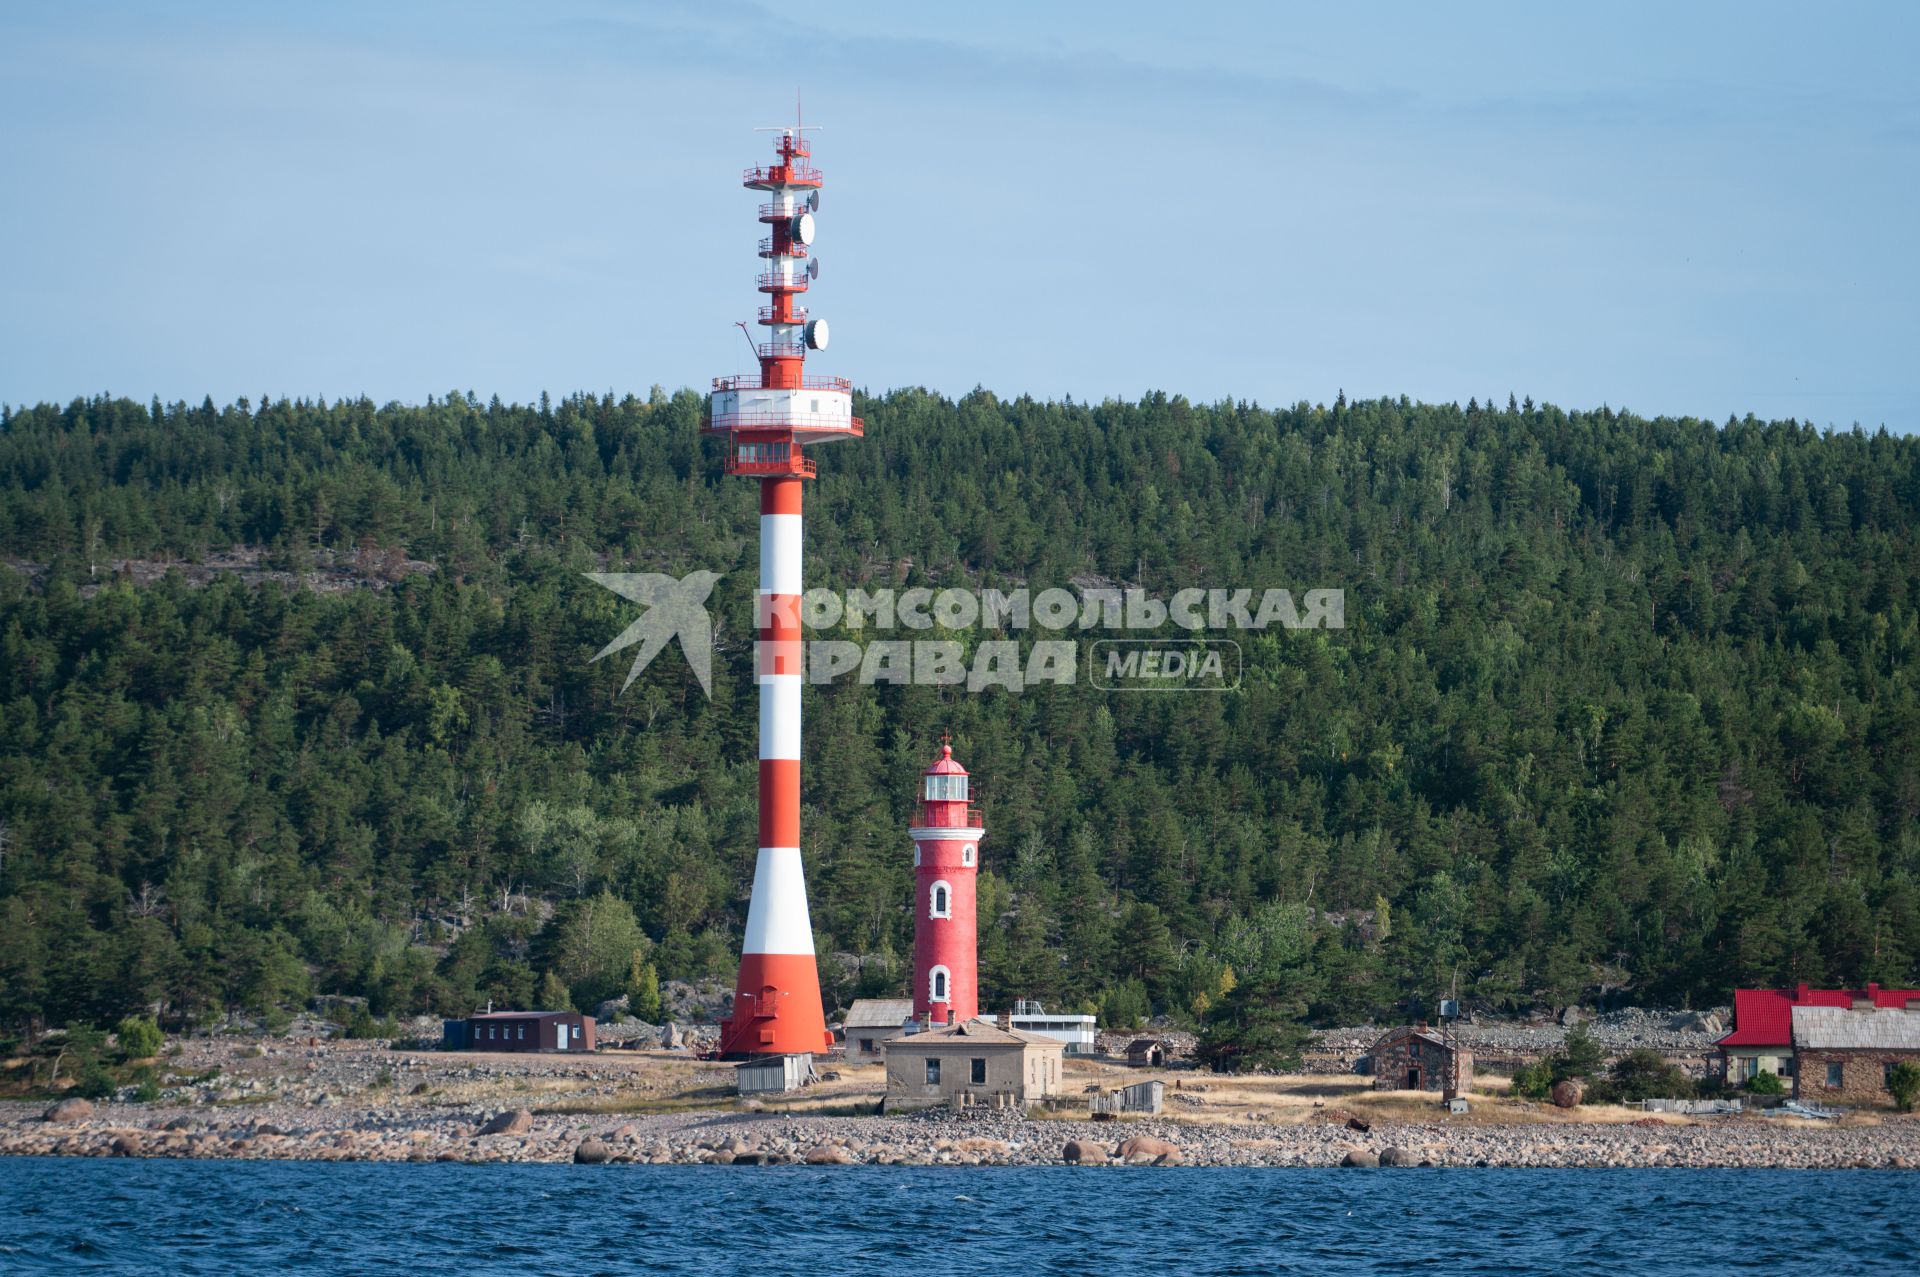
946	861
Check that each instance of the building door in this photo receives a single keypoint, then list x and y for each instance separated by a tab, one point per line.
1413	1079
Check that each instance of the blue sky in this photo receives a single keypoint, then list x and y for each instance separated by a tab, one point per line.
1702	208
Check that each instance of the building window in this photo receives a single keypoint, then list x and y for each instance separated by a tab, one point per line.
1886	1075
1836	1076
937	985
979	1074
520	1032
966	855
933	1071
946	789
941	905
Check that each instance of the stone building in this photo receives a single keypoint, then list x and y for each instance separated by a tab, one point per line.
1413	1057
972	1063
1842	1055
870	1022
1762	1037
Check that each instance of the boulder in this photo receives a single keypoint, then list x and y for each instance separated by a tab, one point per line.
591	1152
69	1110
829	1155
669	1036
1082	1153
126	1145
1394	1155
606	1011
1355	1124
752	1159
1568	1094
1572	1016
518	1122
1360	1157
1156	1151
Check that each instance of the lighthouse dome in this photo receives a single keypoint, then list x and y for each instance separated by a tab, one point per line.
944	765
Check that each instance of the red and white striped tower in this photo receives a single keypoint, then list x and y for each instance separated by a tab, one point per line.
946	858
766	418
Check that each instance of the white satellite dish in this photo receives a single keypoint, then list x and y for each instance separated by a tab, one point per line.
803	228
813	202
813	268
816	334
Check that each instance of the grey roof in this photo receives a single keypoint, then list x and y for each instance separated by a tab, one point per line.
879	1013
1844	1029
983	1032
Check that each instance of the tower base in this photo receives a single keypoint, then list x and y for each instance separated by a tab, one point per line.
776	1007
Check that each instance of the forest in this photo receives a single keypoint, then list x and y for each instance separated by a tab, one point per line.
297	699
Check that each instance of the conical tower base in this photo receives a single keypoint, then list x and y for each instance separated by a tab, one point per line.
776	1007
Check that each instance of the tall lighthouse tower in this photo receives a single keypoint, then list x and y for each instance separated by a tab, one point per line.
946	859
766	417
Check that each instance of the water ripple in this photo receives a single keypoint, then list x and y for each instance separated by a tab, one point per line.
190	1218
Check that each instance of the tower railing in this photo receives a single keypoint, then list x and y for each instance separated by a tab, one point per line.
751	381
726	422
795	175
782	281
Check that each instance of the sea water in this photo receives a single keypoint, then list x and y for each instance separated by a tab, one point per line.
64	1215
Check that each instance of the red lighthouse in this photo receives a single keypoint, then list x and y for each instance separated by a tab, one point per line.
766	417
946	858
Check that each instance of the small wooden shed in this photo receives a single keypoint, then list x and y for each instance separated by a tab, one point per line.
1147	1053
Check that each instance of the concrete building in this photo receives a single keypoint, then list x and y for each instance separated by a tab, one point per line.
1762	1037
1414	1057
971	1063
1843	1055
870	1022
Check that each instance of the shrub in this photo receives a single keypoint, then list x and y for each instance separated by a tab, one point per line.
1533	1081
1764	1083
1645	1075
1903	1082
94	1083
140	1037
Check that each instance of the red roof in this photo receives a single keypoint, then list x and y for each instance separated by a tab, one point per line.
1764	1017
944	765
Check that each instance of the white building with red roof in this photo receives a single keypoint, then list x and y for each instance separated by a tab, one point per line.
1762	1037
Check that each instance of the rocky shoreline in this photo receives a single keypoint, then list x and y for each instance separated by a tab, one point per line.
937	1139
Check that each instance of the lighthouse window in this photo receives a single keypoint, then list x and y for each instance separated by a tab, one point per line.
946	789
937	991
942	905
966	855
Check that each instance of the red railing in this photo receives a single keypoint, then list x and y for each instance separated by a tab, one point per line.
781	349
795	175
721	423
751	381
775	281
794	248
794	465
768	317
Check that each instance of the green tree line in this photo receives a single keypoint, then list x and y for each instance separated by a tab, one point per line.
1623	706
